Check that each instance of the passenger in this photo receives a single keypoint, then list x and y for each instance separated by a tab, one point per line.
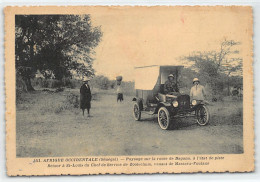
197	91
170	85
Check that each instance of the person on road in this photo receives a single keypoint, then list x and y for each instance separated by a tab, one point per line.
119	93
170	85
197	91
85	96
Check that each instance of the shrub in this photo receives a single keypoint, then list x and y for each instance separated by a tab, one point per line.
55	83
60	89
70	83
37	81
45	83
60	108
101	82
72	100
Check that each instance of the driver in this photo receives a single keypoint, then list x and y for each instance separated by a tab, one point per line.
170	85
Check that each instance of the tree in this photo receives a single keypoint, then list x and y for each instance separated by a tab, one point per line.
52	44
230	67
24	48
216	65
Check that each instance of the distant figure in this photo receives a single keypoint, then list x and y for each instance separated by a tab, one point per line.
119	93
170	85
197	91
85	96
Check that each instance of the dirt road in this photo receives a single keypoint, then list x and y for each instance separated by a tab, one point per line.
112	130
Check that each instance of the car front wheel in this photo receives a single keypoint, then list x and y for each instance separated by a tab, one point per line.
164	118
202	114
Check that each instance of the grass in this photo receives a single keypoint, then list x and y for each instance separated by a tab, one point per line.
51	102
46	120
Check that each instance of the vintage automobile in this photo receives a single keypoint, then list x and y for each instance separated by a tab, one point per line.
151	99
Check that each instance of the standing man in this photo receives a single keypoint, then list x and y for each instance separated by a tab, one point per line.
170	85
85	96
197	91
119	93
119	90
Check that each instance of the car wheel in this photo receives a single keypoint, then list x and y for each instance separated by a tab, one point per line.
164	118
137	112
203	116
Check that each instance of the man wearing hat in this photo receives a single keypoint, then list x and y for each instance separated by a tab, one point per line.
170	85
85	96
197	91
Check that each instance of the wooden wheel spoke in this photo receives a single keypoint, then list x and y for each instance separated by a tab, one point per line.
202	115
163	118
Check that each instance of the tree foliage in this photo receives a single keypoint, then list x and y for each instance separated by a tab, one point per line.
218	68
58	45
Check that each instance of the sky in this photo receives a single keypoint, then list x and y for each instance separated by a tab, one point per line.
161	35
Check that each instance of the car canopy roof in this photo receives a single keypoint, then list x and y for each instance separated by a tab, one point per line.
146	77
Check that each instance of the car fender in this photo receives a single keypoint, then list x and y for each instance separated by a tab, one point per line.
162	104
139	101
196	106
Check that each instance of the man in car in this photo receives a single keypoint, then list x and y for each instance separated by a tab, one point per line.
197	91
170	85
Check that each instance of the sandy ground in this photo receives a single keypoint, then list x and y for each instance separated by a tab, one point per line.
112	130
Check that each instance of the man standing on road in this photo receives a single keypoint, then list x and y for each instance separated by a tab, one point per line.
119	93
197	91
170	85
85	96
119	90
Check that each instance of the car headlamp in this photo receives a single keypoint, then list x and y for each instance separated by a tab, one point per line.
175	103
193	102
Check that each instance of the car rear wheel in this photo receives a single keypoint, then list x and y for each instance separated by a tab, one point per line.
164	118
137	112
202	114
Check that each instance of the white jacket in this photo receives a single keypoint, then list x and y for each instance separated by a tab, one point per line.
197	92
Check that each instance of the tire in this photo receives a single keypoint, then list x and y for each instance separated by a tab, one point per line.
164	119
202	115
137	112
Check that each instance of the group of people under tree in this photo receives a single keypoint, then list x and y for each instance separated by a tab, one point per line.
197	91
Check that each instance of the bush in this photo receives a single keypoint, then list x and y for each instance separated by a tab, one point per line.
45	83
72	100
70	83
53	83
102	82
60	108
60	89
